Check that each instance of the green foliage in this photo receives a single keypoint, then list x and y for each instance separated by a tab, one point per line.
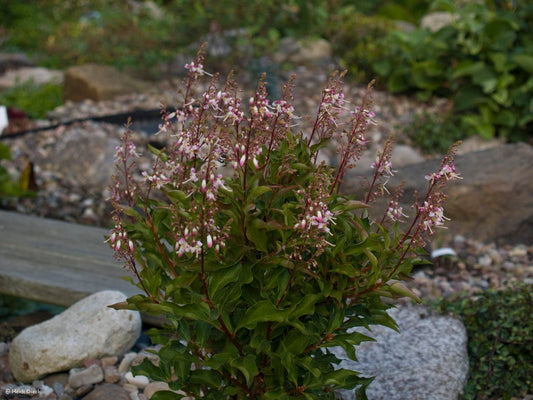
500	342
261	267
434	133
59	33
9	187
482	60
358	40
35	100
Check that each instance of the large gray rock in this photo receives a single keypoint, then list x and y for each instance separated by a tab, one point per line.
493	201
427	359
87	329
87	159
100	82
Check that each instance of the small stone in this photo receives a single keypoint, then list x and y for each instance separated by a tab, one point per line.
129	387
139	358
59	389
108	361
111	374
60	379
518	271
139	381
125	364
154	387
83	390
108	391
142	396
91	361
44	390
87	376
518	251
485	260
495	256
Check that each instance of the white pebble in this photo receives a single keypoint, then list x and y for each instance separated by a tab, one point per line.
125	364
140	381
484	260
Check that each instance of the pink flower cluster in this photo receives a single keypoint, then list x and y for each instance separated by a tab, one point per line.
447	172
119	241
432	216
395	212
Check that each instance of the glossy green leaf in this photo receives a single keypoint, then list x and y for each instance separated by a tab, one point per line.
262	311
205	377
257	191
247	366
219	279
257	235
524	61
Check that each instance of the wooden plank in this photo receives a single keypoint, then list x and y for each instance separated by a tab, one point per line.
56	262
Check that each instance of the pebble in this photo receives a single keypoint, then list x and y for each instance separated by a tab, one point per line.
140	381
111	374
126	362
83	390
80	377
154	387
109	361
130	387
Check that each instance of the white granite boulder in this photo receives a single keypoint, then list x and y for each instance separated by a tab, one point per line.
427	359
87	329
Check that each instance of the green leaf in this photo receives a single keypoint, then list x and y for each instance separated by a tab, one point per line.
524	61
205	377
218	360
306	306
500	62
247	365
469	97
348	341
398	82
256	192
146	368
176	196
344	269
262	311
400	290
220	278
5	153
257	235
166	395
155	150
195	312
350	205
427	74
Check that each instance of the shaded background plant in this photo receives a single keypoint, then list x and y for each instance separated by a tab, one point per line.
240	237
11	187
500	341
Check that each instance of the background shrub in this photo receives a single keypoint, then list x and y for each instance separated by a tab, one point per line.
500	342
483	60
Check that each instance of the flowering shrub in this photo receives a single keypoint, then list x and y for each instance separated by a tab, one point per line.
241	238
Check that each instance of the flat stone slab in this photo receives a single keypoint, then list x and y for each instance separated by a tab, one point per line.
56	262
